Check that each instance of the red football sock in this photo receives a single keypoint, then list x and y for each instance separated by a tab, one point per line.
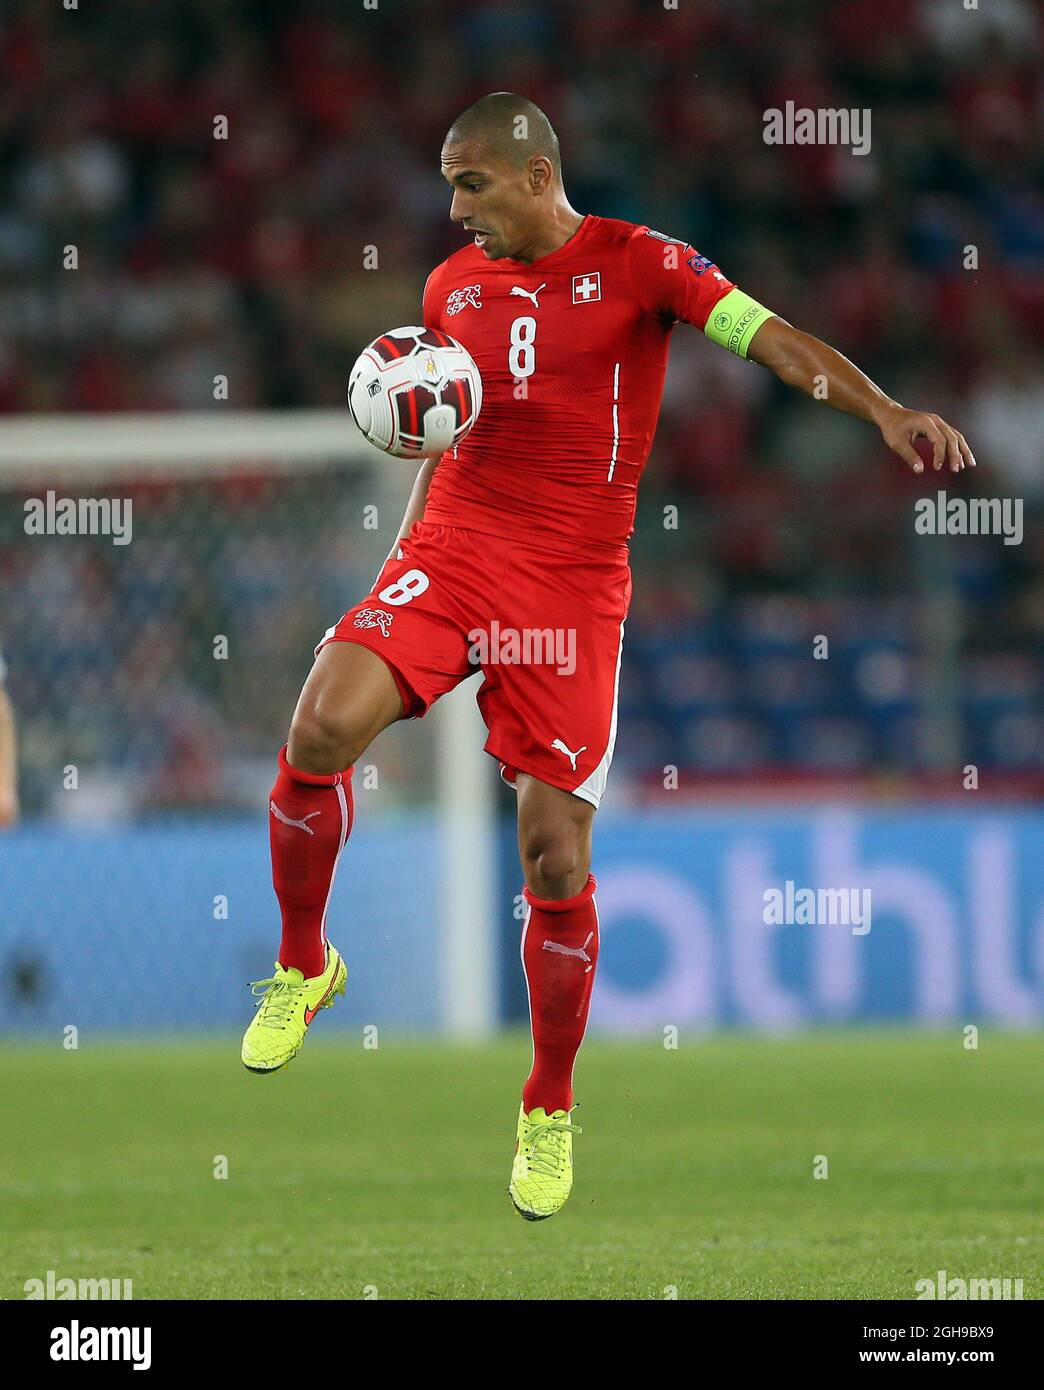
310	818
559	954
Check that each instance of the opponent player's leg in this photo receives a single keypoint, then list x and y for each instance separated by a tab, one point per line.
349	697
559	955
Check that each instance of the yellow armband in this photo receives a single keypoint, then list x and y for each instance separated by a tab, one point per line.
734	320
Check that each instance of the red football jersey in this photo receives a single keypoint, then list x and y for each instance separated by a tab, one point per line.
572	350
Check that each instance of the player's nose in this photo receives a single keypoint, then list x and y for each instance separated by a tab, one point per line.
458	207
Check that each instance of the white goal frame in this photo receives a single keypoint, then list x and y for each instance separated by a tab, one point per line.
45	451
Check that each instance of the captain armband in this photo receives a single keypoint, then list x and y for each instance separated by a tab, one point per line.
734	320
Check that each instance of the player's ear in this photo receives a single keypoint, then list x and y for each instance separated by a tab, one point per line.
541	174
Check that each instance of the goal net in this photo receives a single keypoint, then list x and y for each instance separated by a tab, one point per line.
165	579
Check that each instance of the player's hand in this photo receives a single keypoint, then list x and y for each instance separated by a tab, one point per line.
901	427
8	808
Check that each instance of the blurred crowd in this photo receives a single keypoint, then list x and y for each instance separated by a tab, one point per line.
244	256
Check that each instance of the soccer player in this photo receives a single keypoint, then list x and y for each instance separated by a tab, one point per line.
524	524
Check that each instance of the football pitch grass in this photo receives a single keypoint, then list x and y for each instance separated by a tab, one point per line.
383	1173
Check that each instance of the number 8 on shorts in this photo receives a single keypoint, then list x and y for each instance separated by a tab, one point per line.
406	587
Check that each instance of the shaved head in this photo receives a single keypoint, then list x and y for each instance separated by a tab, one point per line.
508	129
501	159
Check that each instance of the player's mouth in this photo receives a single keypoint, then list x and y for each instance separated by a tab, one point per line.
481	236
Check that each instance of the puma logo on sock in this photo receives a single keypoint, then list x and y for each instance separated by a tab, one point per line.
297	824
580	951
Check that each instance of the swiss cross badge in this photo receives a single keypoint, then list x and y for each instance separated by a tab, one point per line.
587	288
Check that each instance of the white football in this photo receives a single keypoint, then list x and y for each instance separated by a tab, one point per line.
415	392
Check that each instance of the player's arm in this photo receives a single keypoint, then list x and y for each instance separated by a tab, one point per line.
670	278
814	367
419	495
418	498
414	507
8	762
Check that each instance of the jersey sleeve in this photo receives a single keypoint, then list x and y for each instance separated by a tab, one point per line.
671	279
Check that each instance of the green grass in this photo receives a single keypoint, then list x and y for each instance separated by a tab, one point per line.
387	1169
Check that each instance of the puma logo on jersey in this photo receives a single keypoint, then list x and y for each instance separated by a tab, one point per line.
580	951
297	824
529	294
559	747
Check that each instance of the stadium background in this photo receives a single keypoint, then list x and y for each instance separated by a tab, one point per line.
243	258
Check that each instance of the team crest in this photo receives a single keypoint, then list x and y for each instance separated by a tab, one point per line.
374	617
460	299
587	289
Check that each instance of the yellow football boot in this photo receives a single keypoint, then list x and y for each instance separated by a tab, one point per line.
287	1006
542	1173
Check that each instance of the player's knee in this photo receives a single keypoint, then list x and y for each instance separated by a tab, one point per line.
324	742
555	862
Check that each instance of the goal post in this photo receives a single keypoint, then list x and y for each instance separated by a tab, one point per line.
248	498
467	827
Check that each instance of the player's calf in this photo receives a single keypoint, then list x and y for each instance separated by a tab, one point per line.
310	817
559	955
349	696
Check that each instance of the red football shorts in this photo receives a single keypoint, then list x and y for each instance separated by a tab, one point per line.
546	631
